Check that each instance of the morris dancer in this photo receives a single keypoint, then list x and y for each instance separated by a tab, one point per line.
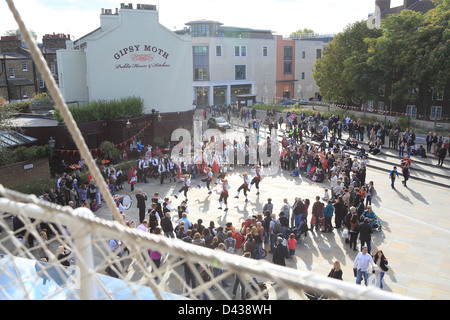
171	170
256	179
223	171
244	186
162	171
224	194
187	183
132	177
208	179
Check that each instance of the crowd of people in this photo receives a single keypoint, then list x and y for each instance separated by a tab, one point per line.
347	198
346	203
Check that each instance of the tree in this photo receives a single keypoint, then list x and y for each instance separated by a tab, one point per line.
109	150
299	32
17	32
412	54
335	72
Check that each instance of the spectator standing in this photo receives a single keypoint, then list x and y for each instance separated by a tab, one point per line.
361	265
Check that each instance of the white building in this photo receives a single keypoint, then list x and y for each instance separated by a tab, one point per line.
130	54
307	51
230	61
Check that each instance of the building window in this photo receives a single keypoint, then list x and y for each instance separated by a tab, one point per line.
303	76
380	106
287	53
264	51
201	30
240	72
381	91
288	67
53	68
12	73
436	113
24	65
370	105
240	51
318	53
218	51
25	93
411	111
243	51
41	82
201	63
303	54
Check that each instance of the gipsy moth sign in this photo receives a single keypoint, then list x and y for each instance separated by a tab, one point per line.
139	56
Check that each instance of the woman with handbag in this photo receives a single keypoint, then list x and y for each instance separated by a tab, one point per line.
381	261
354	226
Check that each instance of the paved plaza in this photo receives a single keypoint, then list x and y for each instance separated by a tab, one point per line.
415	237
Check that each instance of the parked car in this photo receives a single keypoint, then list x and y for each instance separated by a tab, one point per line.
286	102
304	101
219	123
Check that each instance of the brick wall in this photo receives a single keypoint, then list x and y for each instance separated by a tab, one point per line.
14	174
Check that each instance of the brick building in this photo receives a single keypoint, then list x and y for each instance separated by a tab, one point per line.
19	77
423	104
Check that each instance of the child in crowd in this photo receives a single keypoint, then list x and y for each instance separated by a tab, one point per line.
291	244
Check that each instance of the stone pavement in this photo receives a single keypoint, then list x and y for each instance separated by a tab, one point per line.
415	236
416	224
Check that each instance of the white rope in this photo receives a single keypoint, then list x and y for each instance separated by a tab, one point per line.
284	277
68	118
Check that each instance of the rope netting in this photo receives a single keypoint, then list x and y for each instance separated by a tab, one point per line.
54	252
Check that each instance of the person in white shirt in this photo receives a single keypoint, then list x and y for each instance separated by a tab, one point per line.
224	194
187	183
361	265
256	179
244	186
162	171
208	179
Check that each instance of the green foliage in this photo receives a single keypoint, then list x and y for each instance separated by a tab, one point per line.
109	150
343	59
36	187
20	106
411	50
300	32
104	110
22	153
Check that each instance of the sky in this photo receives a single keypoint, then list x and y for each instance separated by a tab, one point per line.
79	17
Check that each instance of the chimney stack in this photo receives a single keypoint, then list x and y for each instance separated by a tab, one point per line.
9	44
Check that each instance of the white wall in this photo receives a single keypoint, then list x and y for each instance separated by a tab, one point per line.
163	79
260	71
307	87
72	75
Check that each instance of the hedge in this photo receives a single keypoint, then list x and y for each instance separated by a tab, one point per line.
104	110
